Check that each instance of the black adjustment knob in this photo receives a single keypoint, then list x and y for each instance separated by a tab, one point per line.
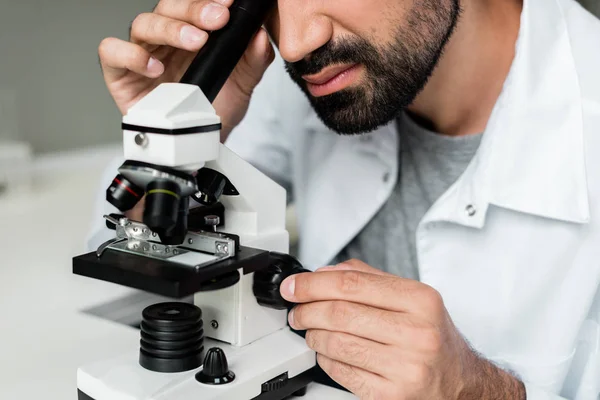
172	337
275	383
216	369
267	281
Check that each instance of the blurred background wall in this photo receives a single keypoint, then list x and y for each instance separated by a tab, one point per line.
592	5
51	90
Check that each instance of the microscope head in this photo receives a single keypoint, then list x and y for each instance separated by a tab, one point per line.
171	133
167	137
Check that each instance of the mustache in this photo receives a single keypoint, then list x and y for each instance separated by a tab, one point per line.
341	51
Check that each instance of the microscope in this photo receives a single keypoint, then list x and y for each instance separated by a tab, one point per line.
228	253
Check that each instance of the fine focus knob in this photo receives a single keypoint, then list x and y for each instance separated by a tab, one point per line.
216	369
267	281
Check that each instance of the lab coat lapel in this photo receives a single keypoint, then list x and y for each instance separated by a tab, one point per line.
541	132
531	156
346	190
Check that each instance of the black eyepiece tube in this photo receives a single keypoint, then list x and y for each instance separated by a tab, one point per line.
217	59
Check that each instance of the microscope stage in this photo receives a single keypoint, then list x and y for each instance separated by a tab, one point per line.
167	278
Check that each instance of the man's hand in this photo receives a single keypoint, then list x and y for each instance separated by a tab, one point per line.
384	337
163	44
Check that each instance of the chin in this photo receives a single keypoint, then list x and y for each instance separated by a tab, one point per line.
355	118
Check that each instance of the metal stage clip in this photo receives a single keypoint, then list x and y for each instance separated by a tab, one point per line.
197	250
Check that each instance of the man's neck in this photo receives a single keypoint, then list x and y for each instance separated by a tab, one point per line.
464	88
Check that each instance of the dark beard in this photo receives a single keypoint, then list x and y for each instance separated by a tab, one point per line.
394	75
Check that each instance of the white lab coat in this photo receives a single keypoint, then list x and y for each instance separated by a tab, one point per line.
514	245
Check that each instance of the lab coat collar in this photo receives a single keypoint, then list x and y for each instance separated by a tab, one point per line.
531	158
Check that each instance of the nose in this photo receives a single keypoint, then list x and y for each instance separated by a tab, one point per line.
301	29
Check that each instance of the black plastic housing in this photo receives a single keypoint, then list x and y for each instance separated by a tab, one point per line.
217	59
161	211
267	281
172	337
165	278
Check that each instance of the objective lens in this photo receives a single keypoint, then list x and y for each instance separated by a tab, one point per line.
176	236
162	205
123	194
211	184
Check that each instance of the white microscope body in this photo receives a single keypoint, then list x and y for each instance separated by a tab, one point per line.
175	126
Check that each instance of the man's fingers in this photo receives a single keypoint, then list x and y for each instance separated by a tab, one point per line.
364	384
380	291
260	51
251	68
157	30
353	350
354	265
137	212
206	15
370	323
118	56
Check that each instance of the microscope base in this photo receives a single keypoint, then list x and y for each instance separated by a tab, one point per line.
283	352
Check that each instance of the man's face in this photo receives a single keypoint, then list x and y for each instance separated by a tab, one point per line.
360	62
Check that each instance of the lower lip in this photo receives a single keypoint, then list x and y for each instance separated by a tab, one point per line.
337	83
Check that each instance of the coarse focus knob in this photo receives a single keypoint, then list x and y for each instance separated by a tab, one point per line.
267	281
172	337
216	368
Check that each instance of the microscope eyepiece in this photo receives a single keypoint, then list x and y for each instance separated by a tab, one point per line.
123	193
213	65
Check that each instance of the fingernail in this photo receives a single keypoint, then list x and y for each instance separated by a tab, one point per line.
291	318
192	35
288	286
154	66
212	12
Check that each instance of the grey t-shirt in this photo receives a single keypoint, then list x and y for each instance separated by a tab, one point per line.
429	164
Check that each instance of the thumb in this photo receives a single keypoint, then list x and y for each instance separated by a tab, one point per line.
253	64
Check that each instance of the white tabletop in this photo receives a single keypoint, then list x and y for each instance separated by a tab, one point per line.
45	331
